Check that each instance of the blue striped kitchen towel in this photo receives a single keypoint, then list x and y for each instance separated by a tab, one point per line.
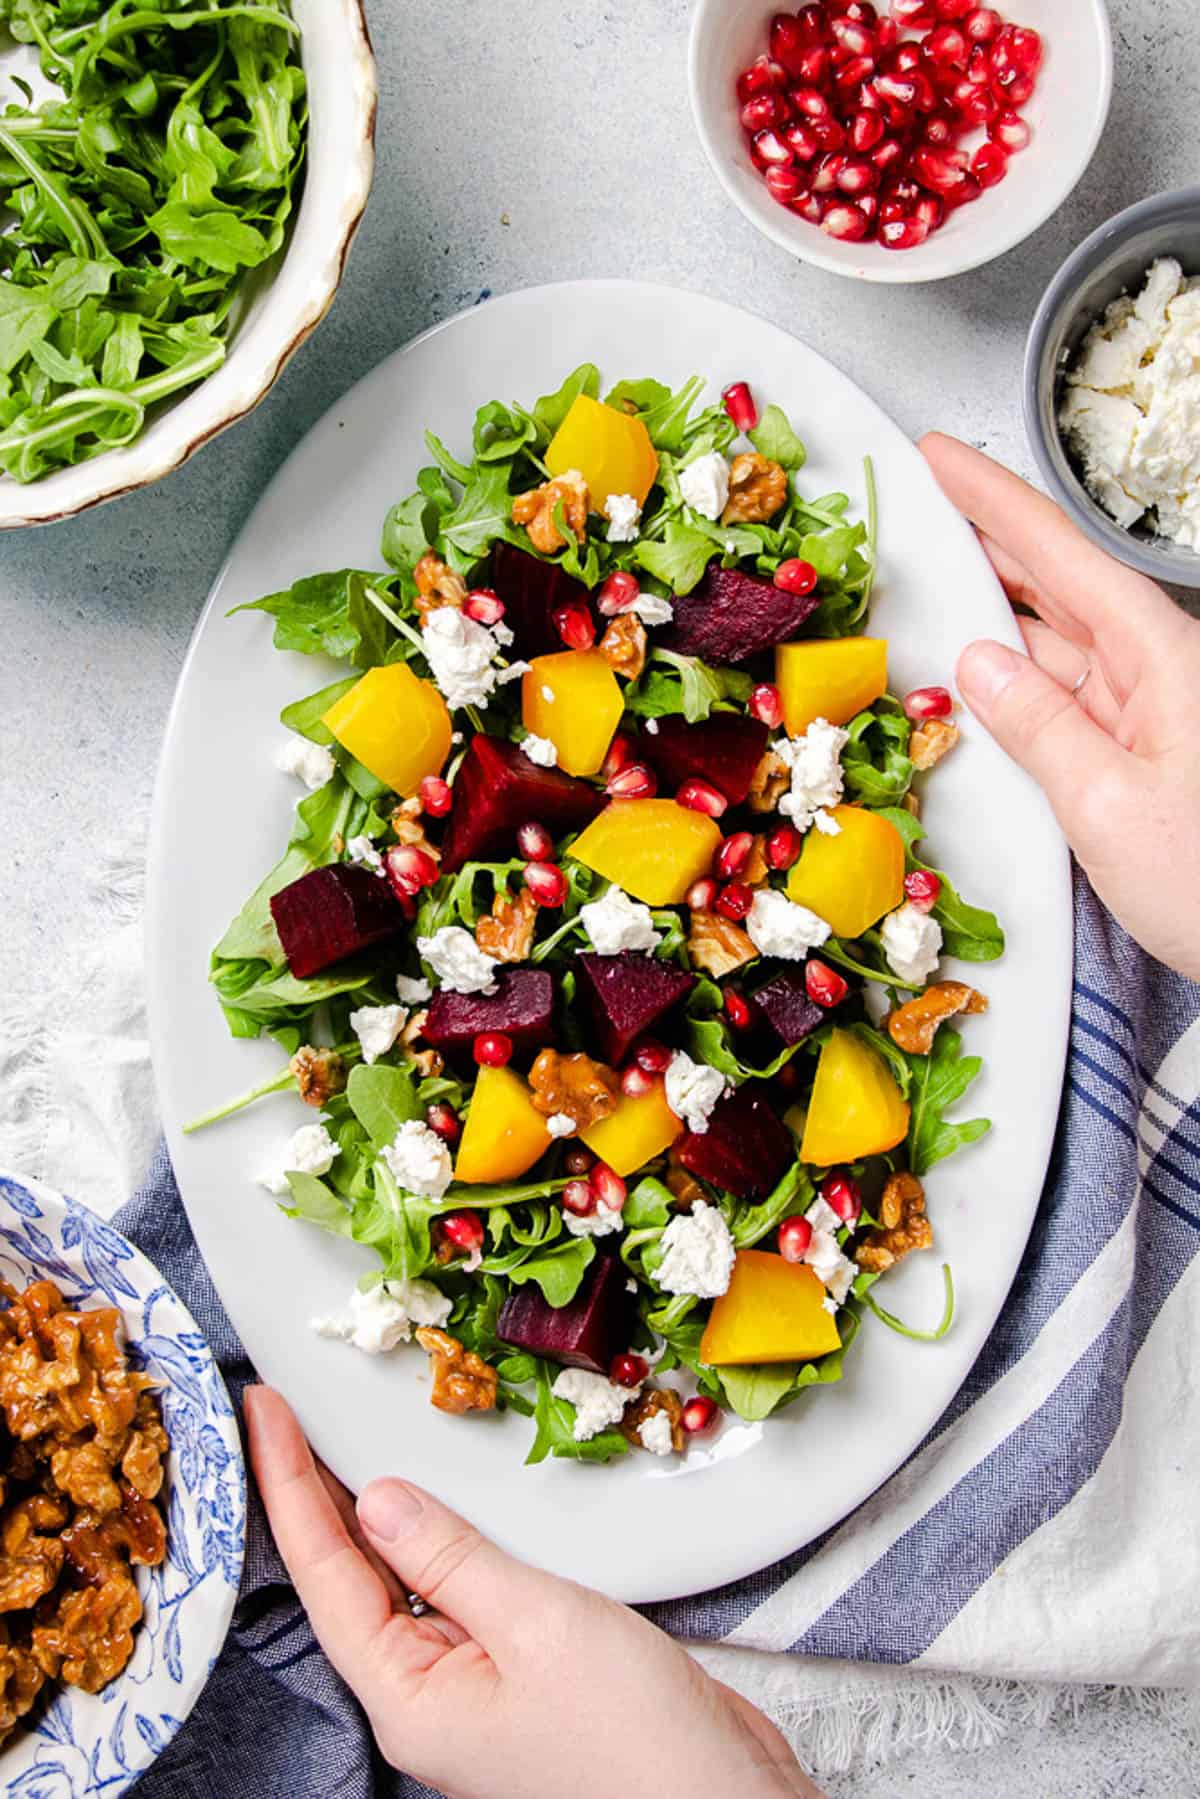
1047	1528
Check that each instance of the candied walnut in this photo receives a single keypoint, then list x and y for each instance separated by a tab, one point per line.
683	1186
506	934
647	1403
318	1073
407	827
623	646
758	489
717	945
90	1638
84	1473
437	585
462	1381
913	1026
931	741
427	1062
584	1089
770	781
757	869
904	1225
535	510
21	1681
32	1560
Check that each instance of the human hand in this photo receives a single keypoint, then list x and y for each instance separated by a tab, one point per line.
1117	756
518	1684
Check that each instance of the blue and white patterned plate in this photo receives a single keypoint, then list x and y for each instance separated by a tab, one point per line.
84	1744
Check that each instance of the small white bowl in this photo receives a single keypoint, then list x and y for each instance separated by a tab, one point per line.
1067	115
283	303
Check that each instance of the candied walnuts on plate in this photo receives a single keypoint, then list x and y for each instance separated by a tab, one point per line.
535	510
577	1086
903	1226
758	489
462	1381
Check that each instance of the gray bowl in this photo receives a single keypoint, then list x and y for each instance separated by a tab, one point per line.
1112	261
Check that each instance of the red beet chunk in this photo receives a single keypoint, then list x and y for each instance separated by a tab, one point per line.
724	749
730	616
627	994
333	913
587	1333
785	1004
532	592
497	790
746	1149
522	1007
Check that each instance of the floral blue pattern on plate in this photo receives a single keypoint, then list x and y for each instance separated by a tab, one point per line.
84	1744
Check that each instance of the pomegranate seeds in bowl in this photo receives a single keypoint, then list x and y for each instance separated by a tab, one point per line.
878	128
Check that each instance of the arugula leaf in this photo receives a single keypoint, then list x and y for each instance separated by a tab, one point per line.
483	515
330	615
410	527
680	560
793	1193
969	932
901	1329
938	1081
773	437
550	411
690	687
306	716
755	1391
321	819
382	1098
875	761
313	1201
648	1205
555	1429
557	1271
501	432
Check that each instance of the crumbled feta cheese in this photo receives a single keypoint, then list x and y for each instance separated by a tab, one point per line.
654	1433
309	762
1131	408
835	1271
386	1315
540	750
420	1160
513	672
698	1253
598	1402
815	762
363	852
704	484
777	926
652	727
614	923
561	1124
692	1090
624	515
603	1222
413	992
377	1028
460	653
457	960
652	610
311	1151
912	942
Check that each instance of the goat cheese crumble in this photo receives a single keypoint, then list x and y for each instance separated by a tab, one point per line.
704	484
457	960
309	762
377	1028
614	923
912	942
692	1090
386	1315
624	516
561	1124
815	761
311	1151
420	1160
603	1222
461	653
653	611
698	1253
540	750
414	992
362	851
777	926
654	1433
598	1401
835	1271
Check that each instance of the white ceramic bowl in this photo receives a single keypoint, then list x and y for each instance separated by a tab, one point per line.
284	302
1067	115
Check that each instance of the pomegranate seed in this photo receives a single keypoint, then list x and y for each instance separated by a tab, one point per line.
652	1056
1015	90
409	869
762	112
702	896
577	1197
922	889
811	208
823	985
794	1239
633	782
906	59
1009	130
830	135
930	210
733	855
852	76
769	150
636	1083
444	1121
786	185
866	129
607	1185
856	176
868	205
964	194
766	705
578	1160
535	842
846	223
913	13
903	234
939	130
951	9
812	65
981	108
628	1370
701	796
736	1010
982	25
735	900
1025	48
463	1229
546	882
492	1049
802	141
854	36
783	846
862	12
787	37
814	22
436	796
936	170
989	165
620	754
947	46
886	155
795	576
575	625
888	34
979	67
699	1415
618	593
812	103
739	404
484	606
760	78
842	1196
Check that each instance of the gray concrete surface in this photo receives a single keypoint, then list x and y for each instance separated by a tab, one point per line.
519	144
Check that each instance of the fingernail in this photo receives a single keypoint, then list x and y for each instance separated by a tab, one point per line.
985	669
388	1509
